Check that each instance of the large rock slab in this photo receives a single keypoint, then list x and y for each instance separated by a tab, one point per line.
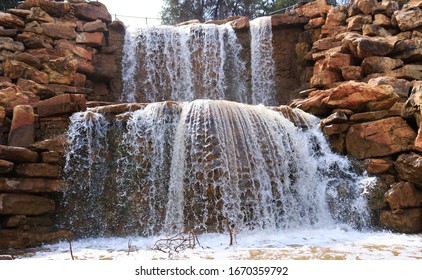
288	20
379	138
24	204
409	168
409	19
60	71
401	86
59	31
11	238
9	20
314	9
30	185
94	39
62	104
18	154
8	44
363	46
6	166
22	130
17	69
55	9
406	221
39	90
92	12
403	195
380	64
44	170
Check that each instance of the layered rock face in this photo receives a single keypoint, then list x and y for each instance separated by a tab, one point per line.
54	56
366	86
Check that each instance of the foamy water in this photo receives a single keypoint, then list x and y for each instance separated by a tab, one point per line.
322	244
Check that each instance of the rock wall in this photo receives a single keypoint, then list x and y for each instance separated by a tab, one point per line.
54	57
367	87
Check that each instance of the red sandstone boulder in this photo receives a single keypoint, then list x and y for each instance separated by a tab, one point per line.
28	59
9	20
378	165
409	18
336	16
360	97
23	204
56	9
401	86
60	71
44	170
325	78
403	195
357	22
59	31
16	69
409	168
92	12
379	138
90	39
62	104
313	9
5	167
363	47
18	154
406	220
39	90
94	26
379	64
38	14
22	130
30	185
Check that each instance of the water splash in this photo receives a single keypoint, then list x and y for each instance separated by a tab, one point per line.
263	66
207	163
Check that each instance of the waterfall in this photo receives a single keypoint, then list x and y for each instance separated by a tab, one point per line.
183	63
262	62
204	164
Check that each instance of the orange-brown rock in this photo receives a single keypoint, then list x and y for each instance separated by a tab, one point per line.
360	97
94	39
39	90
9	20
79	80
325	44
30	185
16	69
28	59
350	73
336	61
105	66
59	31
403	195
44	170
11	238
401	86
34	27
8	44
361	7
418	140
336	134
380	64
73	51
363	46
62	89
35	41
314	103
406	220
23	204
369	116
55	9
11	97
18	154
56	144
409	50
315	23
91	11
409	18
241	23
39	15
409	168
374	30
51	157
325	78
62	104
60	71
94	26
379	138
336	16
382	20
5	166
45	54
409	72
22	130
378	165
313	9
357	22
287	19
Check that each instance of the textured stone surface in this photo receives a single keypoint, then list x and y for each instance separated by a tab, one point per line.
362	46
22	130
23	204
403	195
409	168
30	185
18	154
59	31
406	221
19	239
62	104
409	19
378	64
314	9
94	39
6	166
16	69
60	71
44	170
92	12
9	20
378	165
379	138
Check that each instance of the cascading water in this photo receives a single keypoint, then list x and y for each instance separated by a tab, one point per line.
183	63
205	163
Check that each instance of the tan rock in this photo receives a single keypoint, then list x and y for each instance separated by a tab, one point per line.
409	168
418	140
374	30
369	116
409	18
336	16
56	144
59	31
362	46
406	221
22	13
361	7
315	22
45	170
92	12
350	73
11	97
30	185
375	192
356	23
62	104
60	71
313	9
62	89
288	19
73	51
16	69
382	20
9	20
90	39
34	27
5	166
360	97
403	195
379	138
22	130
18	154
378	165
45	54
23	204
409	72
336	61
325	44
39	15
325	78
39	90
380	64
55	9
332	30
401	86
